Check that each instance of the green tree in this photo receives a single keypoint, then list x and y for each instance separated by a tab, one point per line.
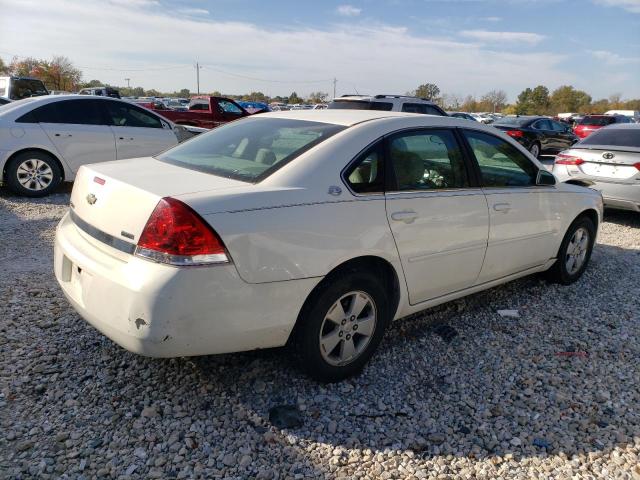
533	102
4	68
152	93
255	97
568	99
430	91
469	104
318	97
294	98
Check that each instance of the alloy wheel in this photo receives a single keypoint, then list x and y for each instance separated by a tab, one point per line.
34	174
577	250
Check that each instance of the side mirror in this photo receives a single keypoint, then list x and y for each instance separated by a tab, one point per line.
545	178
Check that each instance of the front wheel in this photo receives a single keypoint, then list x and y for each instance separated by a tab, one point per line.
575	252
341	326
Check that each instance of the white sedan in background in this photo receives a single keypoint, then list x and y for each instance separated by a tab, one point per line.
311	228
44	140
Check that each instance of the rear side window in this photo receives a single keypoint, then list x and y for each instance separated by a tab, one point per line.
542	125
73	112
619	137
427	160
597	121
251	149
501	164
420	108
366	175
360	105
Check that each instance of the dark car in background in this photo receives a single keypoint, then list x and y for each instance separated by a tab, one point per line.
17	88
464	115
539	135
591	123
4	101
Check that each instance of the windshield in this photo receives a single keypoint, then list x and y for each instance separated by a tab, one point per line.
250	150
25	87
511	121
619	137
360	105
596	121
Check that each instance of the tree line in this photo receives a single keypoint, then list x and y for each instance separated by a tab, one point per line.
59	73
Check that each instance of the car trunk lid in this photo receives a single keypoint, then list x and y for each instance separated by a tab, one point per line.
606	164
112	201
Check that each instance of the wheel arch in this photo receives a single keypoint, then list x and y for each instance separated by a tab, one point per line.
368	263
34	149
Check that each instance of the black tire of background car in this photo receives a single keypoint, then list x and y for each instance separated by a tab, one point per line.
535	144
306	341
558	272
12	174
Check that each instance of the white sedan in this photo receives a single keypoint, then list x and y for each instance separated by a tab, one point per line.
315	228
44	140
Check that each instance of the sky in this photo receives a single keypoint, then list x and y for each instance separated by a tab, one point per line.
368	46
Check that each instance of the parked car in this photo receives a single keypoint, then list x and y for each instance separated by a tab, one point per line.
607	160
464	115
207	112
4	101
100	92
387	103
634	115
17	88
311	228
44	140
483	118
539	135
591	123
254	107
59	92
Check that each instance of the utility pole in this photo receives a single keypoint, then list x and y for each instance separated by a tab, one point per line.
198	67
127	80
334	87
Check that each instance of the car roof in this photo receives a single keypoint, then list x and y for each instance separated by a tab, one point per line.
623	126
340	117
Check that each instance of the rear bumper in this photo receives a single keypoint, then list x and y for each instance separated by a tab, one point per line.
618	195
162	311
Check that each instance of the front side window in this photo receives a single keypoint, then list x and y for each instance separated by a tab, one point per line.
229	107
501	164
558	127
251	149
124	115
366	175
542	125
427	160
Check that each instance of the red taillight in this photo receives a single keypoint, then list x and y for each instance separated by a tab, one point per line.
177	235
514	133
637	165
564	159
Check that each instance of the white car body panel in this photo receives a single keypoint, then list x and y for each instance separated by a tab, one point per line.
286	233
75	145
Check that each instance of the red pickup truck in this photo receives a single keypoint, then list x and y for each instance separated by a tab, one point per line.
206	112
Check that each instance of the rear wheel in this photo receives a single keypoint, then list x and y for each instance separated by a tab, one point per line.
341	326
575	252
535	149
33	174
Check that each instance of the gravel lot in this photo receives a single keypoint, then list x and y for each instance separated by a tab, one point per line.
457	392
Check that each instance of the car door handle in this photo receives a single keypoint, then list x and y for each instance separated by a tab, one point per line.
406	216
502	207
123	138
60	135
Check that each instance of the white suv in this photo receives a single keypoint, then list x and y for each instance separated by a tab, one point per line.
388	103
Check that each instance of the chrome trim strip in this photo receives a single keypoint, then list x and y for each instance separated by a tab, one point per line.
524	237
101	236
468	248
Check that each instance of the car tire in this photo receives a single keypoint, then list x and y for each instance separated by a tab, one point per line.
534	149
575	252
341	326
33	174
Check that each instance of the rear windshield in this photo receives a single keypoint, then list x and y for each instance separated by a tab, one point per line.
26	87
620	137
360	105
511	121
249	150
597	121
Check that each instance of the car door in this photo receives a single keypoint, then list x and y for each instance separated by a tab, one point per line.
138	132
438	218
564	136
546	135
524	219
79	131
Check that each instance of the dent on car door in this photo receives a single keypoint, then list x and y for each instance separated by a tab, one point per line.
439	220
138	132
523	220
78	130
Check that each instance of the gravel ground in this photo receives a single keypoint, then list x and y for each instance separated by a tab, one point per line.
457	392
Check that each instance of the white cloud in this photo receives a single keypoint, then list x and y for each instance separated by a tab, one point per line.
491	19
506	37
348	11
193	11
611	58
114	43
136	3
629	5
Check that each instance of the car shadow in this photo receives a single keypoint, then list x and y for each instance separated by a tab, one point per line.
59	197
622	217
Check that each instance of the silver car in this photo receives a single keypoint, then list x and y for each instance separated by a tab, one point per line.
607	160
